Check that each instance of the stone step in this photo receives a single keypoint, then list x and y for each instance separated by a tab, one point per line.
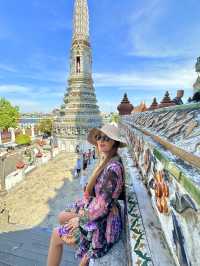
29	247
115	257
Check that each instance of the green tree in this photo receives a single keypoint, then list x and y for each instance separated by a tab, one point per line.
46	126
9	115
23	139
114	118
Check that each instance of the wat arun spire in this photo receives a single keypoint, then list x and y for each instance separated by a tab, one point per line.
80	111
81	21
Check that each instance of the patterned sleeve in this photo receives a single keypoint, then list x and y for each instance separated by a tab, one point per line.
111	187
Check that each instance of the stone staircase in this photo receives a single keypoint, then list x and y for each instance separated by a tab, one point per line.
29	247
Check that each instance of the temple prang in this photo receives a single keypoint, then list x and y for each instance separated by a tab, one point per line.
196	86
80	111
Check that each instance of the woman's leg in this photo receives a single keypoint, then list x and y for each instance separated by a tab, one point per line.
84	261
55	249
64	216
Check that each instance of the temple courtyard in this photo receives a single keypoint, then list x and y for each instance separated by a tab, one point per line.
43	193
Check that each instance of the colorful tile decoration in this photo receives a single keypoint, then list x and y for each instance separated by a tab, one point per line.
137	242
179	181
179	126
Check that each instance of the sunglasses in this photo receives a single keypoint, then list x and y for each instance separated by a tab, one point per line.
103	138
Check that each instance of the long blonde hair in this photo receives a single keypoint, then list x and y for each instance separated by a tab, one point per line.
100	167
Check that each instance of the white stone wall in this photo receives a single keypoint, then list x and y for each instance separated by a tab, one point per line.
70	145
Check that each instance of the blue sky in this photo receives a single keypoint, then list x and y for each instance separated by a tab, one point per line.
142	47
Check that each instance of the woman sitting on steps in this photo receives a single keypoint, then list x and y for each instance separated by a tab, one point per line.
94	224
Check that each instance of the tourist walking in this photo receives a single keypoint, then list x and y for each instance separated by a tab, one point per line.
78	167
77	150
94	224
85	161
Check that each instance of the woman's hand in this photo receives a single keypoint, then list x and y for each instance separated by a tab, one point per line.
84	261
73	224
81	212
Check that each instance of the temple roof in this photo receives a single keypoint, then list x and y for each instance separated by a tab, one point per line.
125	107
141	108
81	20
166	101
154	104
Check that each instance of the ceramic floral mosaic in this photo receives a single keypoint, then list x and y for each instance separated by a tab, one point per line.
173	185
140	253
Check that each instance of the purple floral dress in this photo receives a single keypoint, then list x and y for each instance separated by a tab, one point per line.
101	225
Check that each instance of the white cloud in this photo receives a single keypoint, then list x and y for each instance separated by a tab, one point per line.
152	7
157	30
8	68
48	76
183	78
8	88
142	23
108	106
31	91
27	104
44	67
40	67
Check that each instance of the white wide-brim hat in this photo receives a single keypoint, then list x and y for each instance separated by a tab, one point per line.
109	130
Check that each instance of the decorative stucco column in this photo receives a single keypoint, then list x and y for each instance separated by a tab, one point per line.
2	175
32	131
12	131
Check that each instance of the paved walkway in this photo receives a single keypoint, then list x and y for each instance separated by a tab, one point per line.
29	247
33	206
43	193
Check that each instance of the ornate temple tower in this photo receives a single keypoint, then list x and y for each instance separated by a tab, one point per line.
196	85
80	112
